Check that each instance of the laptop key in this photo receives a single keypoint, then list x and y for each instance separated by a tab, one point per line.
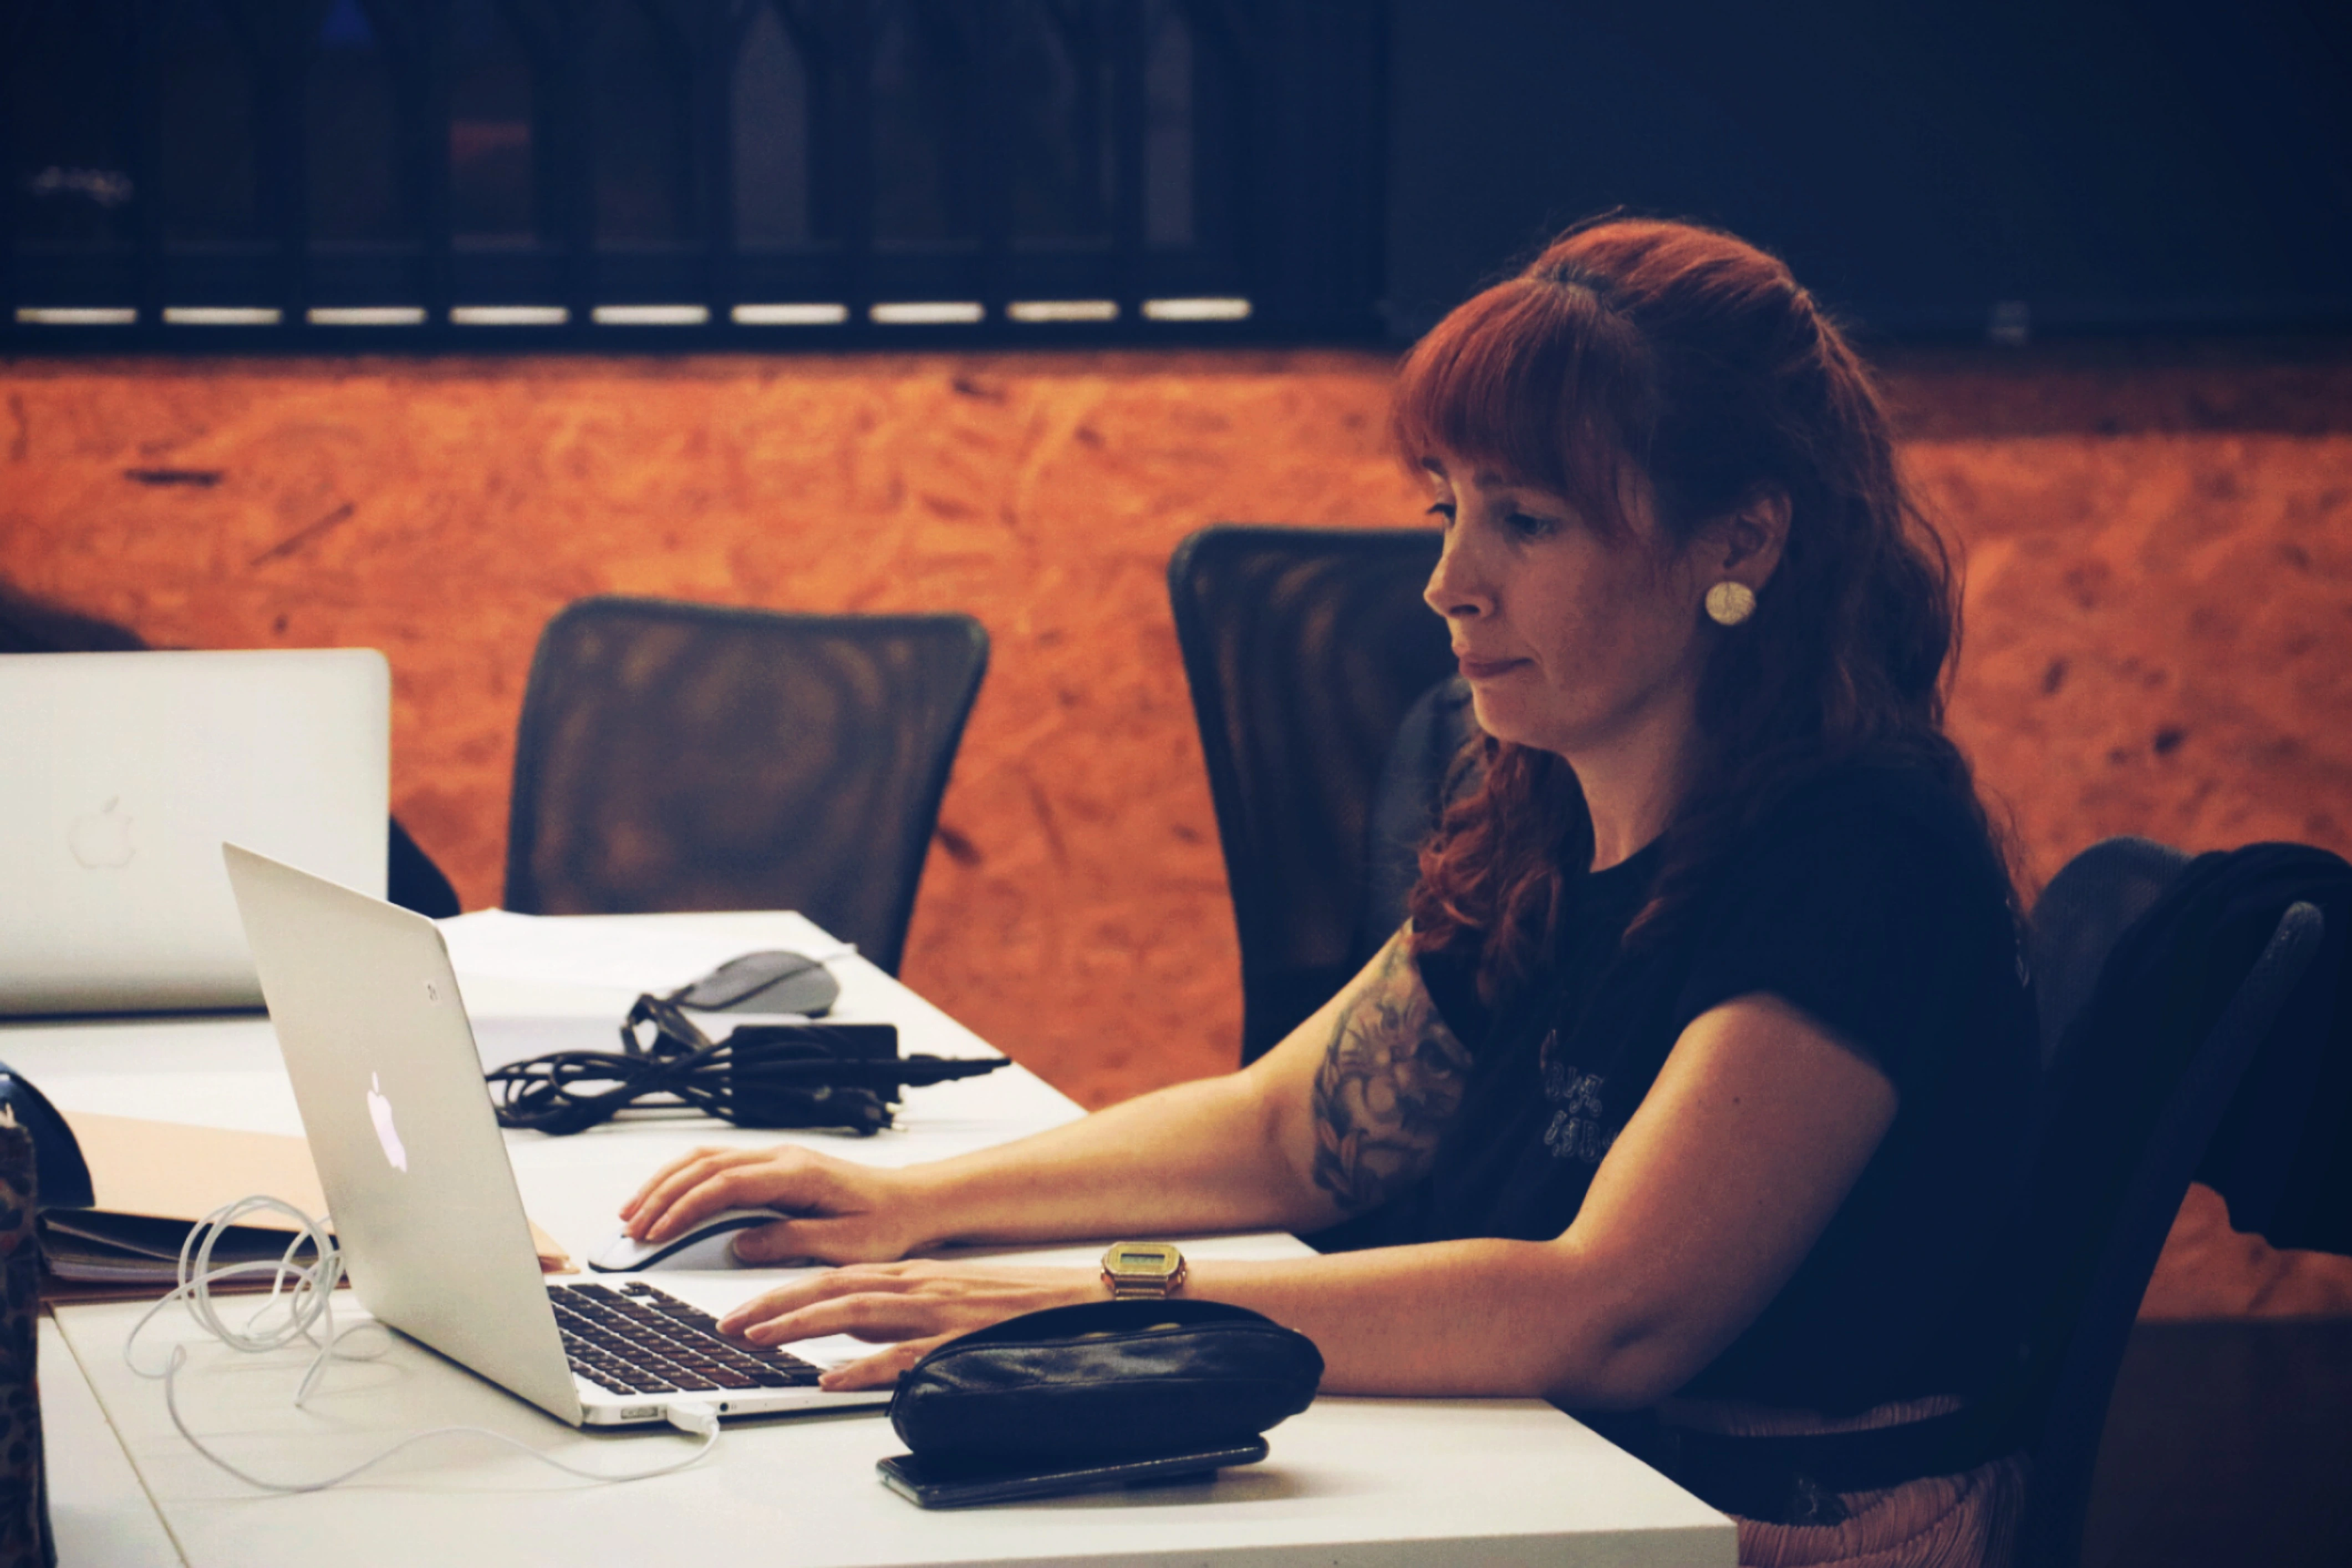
641	1340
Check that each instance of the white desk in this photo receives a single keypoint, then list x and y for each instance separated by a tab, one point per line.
1373	1481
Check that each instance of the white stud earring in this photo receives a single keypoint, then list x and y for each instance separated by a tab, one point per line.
1729	603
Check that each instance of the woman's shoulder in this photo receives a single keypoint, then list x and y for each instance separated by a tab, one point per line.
1880	805
1872	841
1873	897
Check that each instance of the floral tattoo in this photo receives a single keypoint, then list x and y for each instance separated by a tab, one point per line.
1391	1083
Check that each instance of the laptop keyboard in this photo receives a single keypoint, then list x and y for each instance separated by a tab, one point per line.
635	1338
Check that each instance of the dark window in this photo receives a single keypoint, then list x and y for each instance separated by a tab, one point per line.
772	137
354	137
640	79
1168	120
773	172
493	143
926	86
70	178
207	171
1057	88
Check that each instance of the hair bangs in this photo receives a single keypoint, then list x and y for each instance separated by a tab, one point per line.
1532	380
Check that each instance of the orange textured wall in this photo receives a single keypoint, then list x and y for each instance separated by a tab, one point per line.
2160	600
441	510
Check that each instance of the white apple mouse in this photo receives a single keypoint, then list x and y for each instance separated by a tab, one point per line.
622	1254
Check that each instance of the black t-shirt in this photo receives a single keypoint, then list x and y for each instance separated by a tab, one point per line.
1871	900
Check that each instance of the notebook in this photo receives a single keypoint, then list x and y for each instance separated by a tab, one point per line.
121	774
152	1180
389	1082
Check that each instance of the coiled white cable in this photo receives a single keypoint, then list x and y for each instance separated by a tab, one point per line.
301	1297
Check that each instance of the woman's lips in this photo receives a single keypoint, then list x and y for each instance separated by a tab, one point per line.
1486	669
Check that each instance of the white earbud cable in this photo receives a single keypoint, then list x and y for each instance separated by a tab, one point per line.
304	1293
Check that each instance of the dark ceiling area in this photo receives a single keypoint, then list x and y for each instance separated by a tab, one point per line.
1934	168
665	174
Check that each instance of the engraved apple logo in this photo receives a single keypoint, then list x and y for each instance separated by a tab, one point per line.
100	840
380	1113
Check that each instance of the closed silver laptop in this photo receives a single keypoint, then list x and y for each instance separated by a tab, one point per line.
121	774
389	1082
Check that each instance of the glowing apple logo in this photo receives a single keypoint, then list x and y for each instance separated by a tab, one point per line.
101	840
380	1113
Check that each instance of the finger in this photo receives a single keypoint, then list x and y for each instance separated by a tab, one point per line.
869	1315
785	1299
689	1207
882	1369
792	1242
655	1180
777	1245
750	1182
770	1305
674	1179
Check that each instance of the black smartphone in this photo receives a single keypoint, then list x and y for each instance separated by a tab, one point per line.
959	1483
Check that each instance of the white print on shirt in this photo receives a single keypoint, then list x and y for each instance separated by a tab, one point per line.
1577	1132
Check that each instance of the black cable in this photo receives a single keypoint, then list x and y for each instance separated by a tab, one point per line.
845	1076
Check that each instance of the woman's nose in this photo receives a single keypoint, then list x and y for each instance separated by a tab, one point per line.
1454	589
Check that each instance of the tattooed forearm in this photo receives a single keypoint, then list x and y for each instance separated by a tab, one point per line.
1391	1082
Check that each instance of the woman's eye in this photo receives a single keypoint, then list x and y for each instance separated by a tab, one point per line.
1444	508
1528	525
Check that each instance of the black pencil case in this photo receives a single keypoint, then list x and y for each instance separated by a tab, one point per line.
1107	1380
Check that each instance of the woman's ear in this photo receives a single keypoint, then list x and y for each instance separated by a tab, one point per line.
1748	541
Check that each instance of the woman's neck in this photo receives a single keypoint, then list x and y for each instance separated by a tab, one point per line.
1633	786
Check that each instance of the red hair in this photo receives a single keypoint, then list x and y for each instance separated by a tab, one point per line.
1693	359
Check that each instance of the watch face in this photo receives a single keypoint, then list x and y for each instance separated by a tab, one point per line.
1141	1260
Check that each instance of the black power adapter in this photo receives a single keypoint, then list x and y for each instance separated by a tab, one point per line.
846	1077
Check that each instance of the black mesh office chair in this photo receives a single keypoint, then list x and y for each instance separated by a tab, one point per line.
2116	1153
1303	648
675	756
2092	902
1422	775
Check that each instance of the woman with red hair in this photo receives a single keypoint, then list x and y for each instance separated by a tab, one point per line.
1692	1096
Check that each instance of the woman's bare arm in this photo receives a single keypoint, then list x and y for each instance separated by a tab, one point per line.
1346	1111
1757	1128
1368	1097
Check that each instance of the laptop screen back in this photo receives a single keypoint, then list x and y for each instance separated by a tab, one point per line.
389	1081
122	775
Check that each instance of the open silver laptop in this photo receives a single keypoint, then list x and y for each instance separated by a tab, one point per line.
121	773
426	1210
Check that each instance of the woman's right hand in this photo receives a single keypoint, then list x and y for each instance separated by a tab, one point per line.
843	1212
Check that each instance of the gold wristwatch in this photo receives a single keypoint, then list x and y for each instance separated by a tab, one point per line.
1142	1270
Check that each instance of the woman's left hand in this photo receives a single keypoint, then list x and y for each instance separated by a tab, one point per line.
919	1305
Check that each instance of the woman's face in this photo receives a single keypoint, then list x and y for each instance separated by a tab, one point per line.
1576	634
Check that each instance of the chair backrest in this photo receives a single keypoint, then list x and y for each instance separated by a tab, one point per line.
675	756
2093	900
1304	648
2118	1151
1416	783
